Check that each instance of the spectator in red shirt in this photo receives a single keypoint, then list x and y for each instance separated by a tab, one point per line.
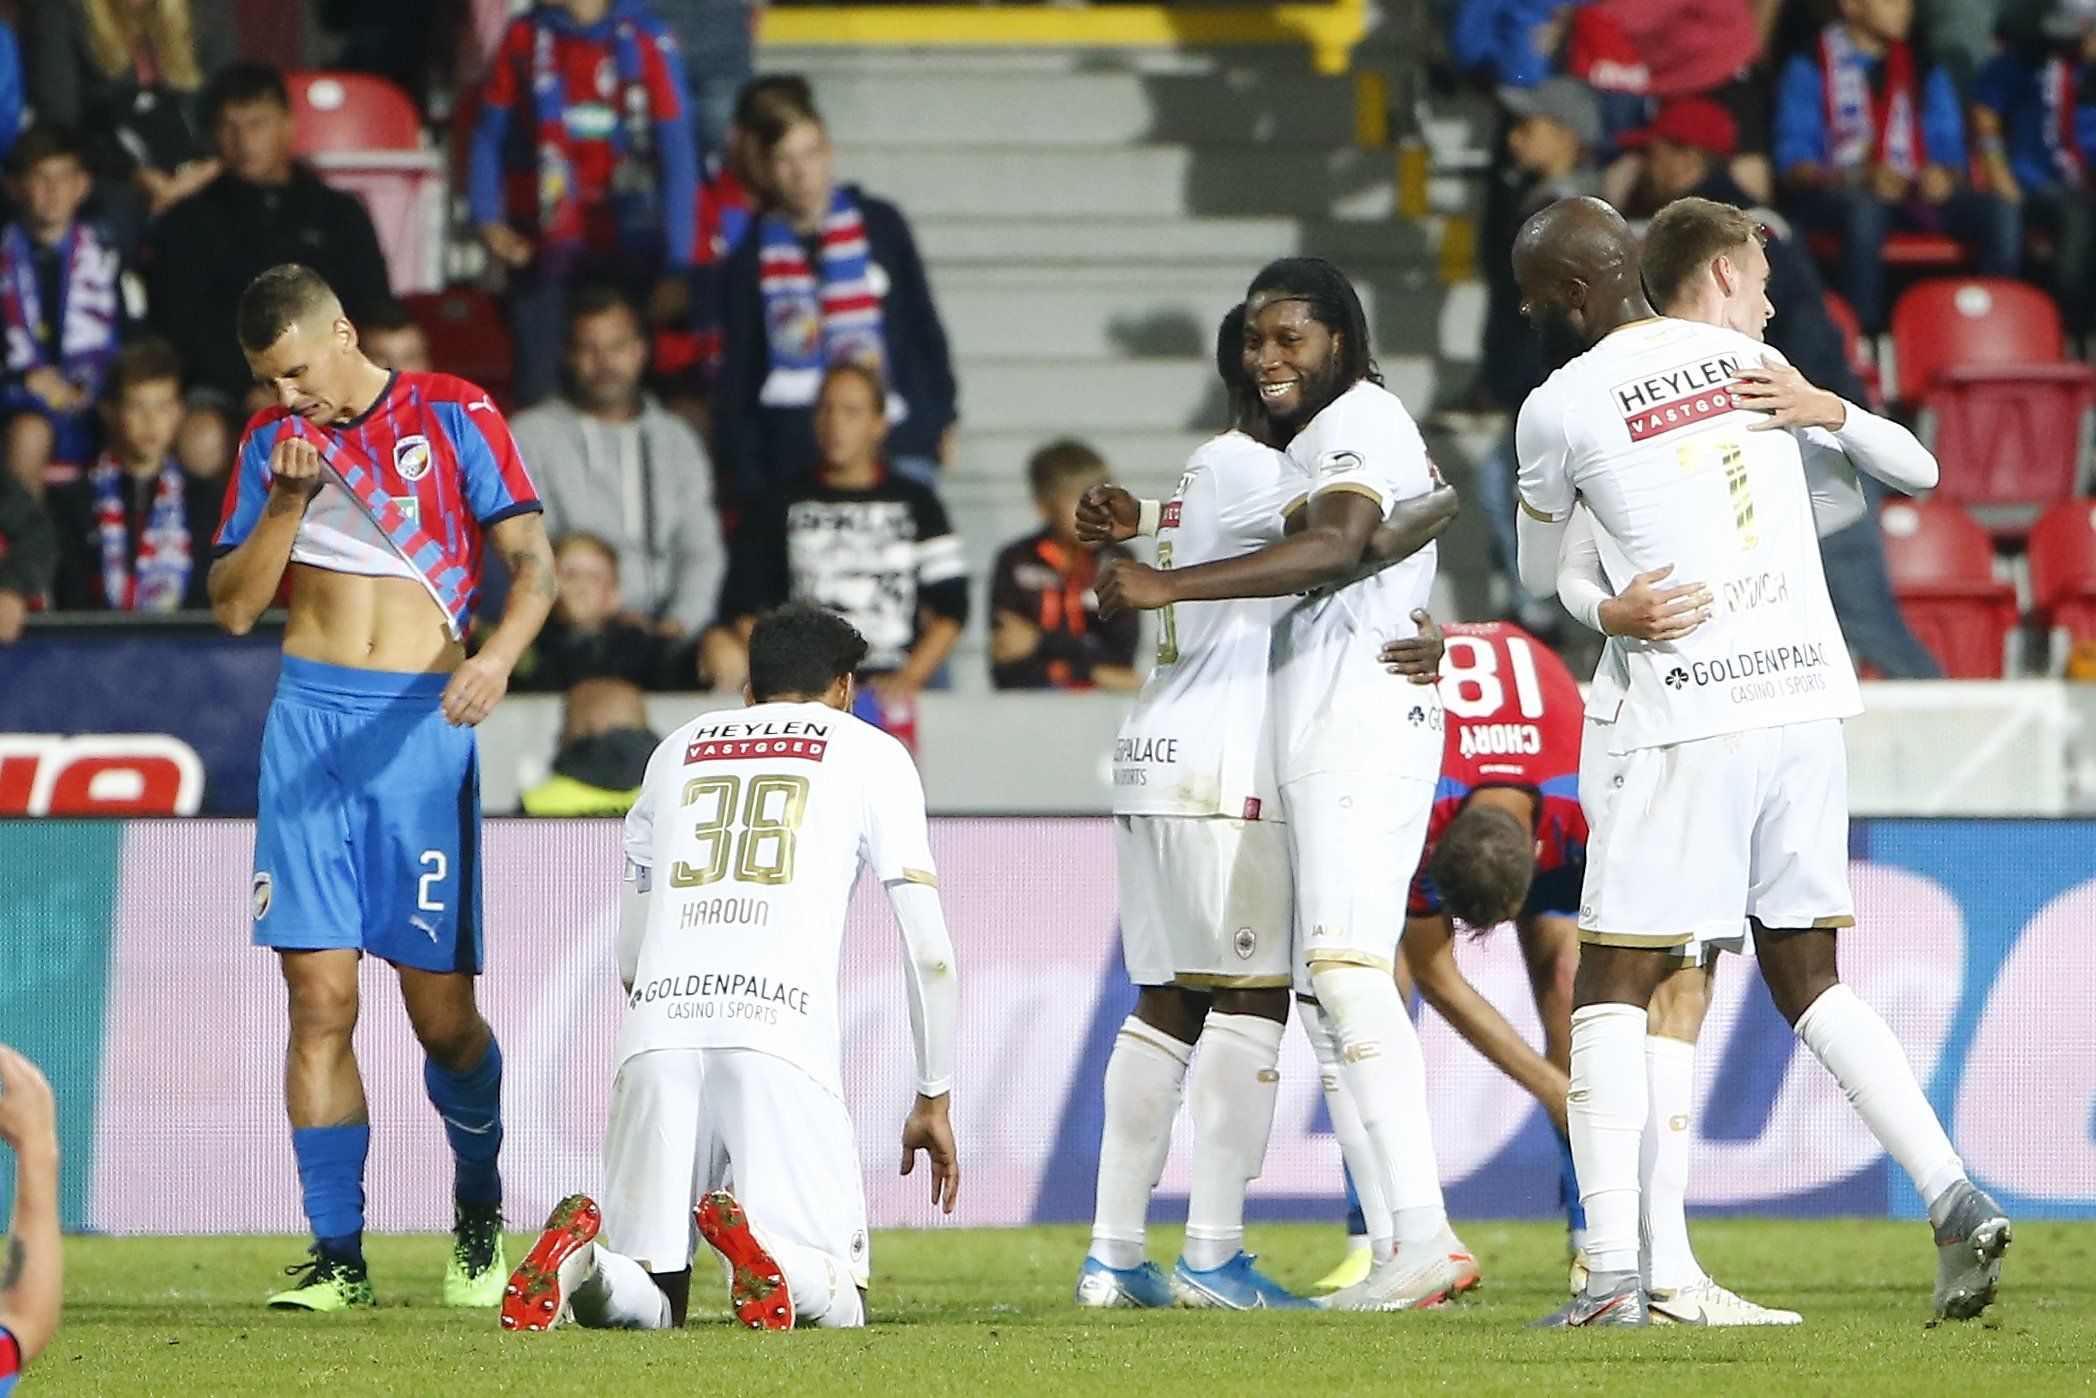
583	166
1046	632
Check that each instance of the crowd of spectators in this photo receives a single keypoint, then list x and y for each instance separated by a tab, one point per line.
1843	123
729	375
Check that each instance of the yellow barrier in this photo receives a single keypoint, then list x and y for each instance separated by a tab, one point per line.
1330	30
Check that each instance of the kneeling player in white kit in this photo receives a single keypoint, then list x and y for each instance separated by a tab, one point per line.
1356	786
741	853
1727	794
1203	859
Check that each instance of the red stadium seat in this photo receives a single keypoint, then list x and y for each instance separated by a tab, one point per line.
467	337
1856	349
1942	569
2063	568
364	137
1906	252
350	112
1984	361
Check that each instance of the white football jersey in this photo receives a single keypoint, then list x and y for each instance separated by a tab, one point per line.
749	831
1642	430
1196	742
1335	707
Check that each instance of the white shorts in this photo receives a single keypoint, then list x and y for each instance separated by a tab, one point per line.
1354	841
1690	839
1204	901
688	1120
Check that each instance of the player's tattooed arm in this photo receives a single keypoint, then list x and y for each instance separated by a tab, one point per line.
481	681
11	1269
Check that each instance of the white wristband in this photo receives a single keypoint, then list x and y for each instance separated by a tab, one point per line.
1147	514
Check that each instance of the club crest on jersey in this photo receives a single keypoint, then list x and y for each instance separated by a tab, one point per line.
1246	942
1678	398
264	894
1333	463
412	457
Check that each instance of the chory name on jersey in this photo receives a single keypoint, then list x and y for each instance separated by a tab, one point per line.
1677	398
1499	739
1131	755
731	740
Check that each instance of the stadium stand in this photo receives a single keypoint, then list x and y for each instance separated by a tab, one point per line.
1942	567
363	135
1984	362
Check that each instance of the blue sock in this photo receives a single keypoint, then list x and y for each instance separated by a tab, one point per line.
1568	1187
471	1105
1356	1221
331	1178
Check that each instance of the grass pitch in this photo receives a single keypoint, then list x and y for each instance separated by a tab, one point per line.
989	1312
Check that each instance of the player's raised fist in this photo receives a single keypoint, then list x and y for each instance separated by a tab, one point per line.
294	464
1107	513
1127	586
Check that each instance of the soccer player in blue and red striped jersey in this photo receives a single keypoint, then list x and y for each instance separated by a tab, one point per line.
377	492
31	1271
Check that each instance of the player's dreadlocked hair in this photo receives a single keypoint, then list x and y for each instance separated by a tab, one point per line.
1482	866
1229	364
802	649
278	299
1333	303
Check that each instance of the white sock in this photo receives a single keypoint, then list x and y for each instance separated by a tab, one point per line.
618	1294
1143	1078
1606	1112
1353	1137
1385	1073
1670	1071
824	1292
1231	1089
1867	1060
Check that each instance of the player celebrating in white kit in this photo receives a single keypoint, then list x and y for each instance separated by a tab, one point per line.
1356	787
1728	794
1203	859
741	853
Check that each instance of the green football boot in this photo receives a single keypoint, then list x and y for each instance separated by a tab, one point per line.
325	1284
478	1271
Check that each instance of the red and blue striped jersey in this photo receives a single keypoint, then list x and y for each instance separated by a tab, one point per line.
1514	719
416	481
10	1362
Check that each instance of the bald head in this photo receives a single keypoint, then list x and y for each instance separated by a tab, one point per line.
1576	263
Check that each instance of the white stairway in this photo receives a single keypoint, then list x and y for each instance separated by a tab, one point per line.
1087	217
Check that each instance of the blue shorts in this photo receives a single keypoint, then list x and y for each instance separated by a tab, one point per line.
368	834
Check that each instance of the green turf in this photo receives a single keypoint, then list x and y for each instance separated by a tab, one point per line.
989	1311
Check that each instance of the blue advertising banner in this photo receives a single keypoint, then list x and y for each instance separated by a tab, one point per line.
96	720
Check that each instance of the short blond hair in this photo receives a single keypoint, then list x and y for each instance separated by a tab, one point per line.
1683	239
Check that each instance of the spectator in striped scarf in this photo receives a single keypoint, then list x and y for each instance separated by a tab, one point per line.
829	274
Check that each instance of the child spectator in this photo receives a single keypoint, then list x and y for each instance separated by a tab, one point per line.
28	556
1046	632
2034	115
829	274
1868	138
61	291
392	338
588	637
583	165
134	534
856	538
